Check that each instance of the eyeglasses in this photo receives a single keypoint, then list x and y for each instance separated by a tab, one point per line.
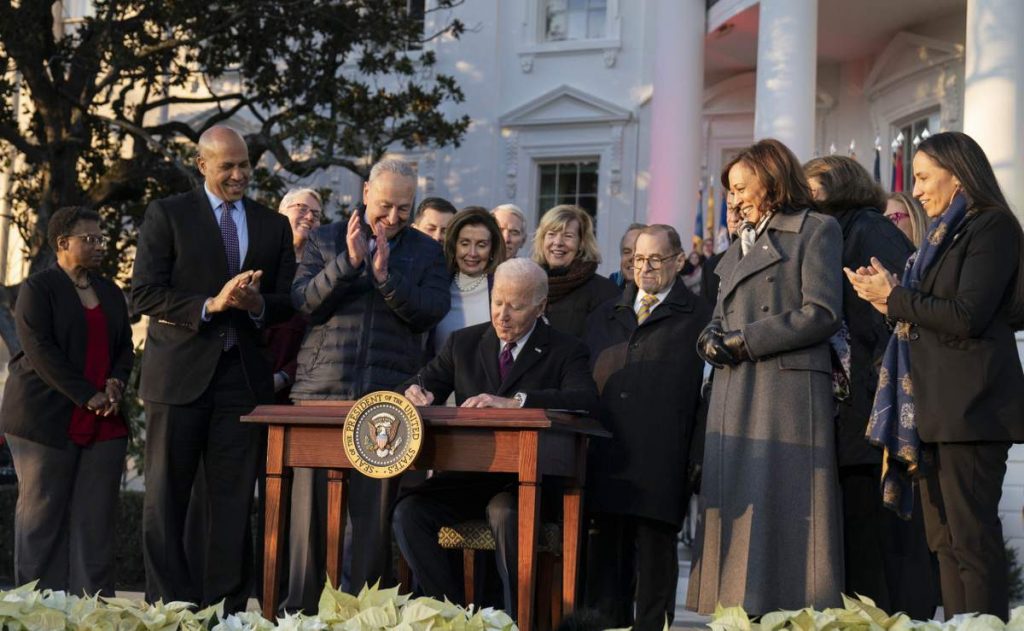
90	239
898	216
654	261
304	209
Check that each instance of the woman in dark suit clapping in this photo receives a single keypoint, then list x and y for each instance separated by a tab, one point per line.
950	397
61	412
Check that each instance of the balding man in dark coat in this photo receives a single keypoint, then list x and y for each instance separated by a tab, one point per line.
643	349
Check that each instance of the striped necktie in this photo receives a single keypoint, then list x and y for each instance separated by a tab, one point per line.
229	234
646	305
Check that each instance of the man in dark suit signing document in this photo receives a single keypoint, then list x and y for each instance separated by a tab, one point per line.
514	361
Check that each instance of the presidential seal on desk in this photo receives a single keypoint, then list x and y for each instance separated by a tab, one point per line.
383	434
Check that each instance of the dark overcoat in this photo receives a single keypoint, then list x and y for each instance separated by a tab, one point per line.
649	377
771	536
866	233
569	313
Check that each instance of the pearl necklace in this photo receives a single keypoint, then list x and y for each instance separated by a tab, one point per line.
468	286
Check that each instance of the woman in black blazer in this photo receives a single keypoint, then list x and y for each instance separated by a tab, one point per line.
950	397
61	414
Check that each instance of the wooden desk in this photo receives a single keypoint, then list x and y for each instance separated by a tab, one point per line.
531	443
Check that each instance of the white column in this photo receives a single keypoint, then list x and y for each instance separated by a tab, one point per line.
994	90
676	142
787	68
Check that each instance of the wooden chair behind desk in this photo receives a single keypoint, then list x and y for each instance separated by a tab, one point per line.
475	536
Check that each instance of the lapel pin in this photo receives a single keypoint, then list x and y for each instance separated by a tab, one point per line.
536	349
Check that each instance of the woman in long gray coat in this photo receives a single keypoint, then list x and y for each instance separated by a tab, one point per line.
771	533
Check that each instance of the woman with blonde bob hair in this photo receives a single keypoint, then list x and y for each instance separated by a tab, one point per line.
565	246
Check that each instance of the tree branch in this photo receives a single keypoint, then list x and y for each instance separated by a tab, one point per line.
33	153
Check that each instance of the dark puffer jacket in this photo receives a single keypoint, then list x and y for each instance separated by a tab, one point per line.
365	336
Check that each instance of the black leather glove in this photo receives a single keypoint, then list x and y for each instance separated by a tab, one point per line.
711	348
736	345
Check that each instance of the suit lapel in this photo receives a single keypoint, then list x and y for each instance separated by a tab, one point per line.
209	231
928	282
726	267
623	312
253	228
535	348
487	357
764	253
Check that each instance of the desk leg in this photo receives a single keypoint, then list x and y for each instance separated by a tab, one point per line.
572	528
529	509
571	525
278	491
337	480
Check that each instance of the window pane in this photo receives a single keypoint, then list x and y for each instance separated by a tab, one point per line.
547	179
595	23
555	20
577	23
588	179
567	180
589	204
417	11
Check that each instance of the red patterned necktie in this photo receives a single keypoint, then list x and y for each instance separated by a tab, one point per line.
505	360
229	234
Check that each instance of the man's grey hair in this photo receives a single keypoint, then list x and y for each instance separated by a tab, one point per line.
524	272
392	165
290	196
512	208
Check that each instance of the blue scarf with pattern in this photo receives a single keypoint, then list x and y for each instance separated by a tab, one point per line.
892	425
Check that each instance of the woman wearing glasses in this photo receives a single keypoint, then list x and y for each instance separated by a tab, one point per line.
61	412
304	211
769	491
907	214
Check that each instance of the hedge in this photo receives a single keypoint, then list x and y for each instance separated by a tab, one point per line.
130	574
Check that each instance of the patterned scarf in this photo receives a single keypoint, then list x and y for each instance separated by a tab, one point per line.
892	425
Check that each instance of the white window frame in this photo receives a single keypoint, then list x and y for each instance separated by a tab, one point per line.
533	44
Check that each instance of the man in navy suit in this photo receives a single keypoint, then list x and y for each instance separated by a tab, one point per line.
516	360
212	269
